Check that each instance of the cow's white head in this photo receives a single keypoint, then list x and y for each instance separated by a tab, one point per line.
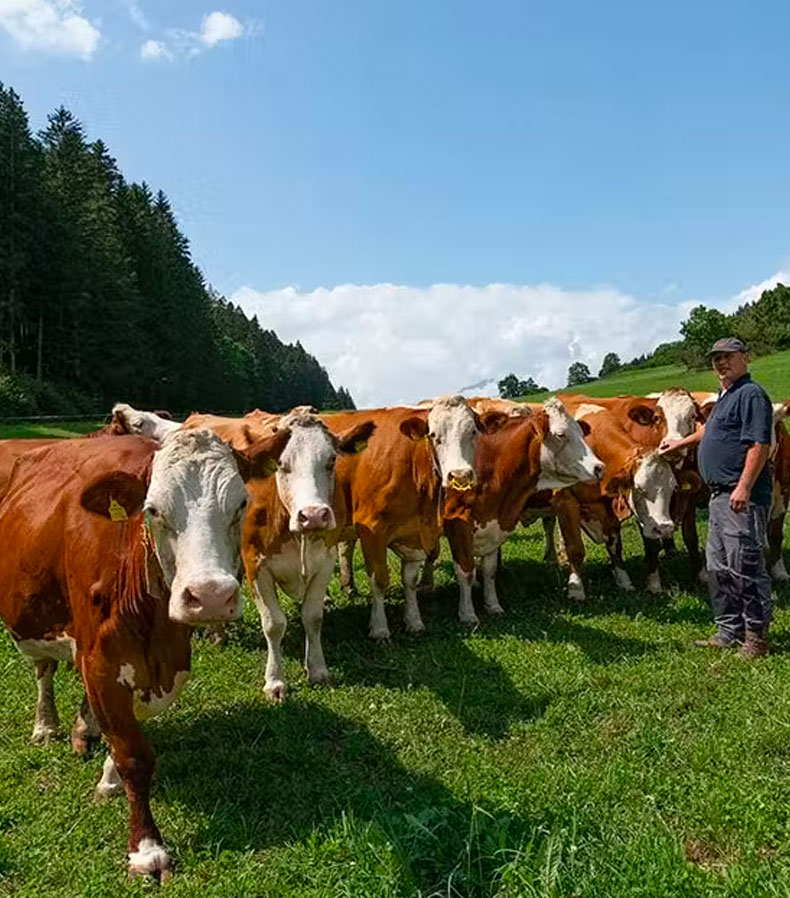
681	413
651	496
565	459
126	419
306	470
452	428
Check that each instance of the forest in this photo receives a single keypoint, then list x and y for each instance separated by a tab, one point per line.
101	301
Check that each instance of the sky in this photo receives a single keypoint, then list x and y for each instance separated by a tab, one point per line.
431	194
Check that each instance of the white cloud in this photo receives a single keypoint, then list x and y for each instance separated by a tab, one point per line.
54	26
219	26
391	344
137	15
153	50
750	294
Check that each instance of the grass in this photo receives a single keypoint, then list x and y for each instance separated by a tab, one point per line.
772	371
564	750
25	430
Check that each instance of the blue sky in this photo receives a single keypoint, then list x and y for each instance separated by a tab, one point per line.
620	149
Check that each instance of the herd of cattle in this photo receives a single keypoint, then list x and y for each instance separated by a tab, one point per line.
117	545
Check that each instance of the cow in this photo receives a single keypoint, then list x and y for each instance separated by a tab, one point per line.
113	550
780	459
292	526
156	425
539	448
671	414
398	490
637	481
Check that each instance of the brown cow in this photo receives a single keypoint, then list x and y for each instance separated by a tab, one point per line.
780	458
89	578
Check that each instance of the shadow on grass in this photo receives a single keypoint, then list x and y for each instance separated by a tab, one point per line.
266	776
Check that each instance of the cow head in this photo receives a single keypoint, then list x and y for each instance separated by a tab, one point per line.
681	413
126	419
652	483
565	459
306	471
452	428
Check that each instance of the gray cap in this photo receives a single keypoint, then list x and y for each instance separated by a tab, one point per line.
728	344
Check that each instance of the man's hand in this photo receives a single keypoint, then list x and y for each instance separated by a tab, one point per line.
739	498
669	446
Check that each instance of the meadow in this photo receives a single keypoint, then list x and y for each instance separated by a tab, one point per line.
563	750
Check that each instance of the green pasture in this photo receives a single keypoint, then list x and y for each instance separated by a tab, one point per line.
44	429
772	371
564	750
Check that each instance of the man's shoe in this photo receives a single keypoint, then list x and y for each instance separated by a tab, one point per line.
717	641
755	645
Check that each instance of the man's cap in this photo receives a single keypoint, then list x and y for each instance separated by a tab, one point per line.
728	344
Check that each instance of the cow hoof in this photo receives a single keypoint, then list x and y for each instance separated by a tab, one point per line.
653	585
276	691
576	592
495	610
379	634
84	745
416	629
779	572
319	677
349	591
43	734
702	576
623	581
150	859
472	621
105	791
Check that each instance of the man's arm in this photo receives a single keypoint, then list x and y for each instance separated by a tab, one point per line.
756	457
691	440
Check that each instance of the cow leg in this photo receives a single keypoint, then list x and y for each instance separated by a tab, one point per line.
569	518
274	622
460	537
774	558
345	561
85	733
614	546
110	783
133	761
550	550
47	722
375	553
410	574
489	564
669	546
652	550
428	567
313	619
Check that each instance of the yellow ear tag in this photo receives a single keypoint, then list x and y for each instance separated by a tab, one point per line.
686	486
117	511
360	446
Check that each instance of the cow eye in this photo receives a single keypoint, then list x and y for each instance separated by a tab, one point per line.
152	511
284	468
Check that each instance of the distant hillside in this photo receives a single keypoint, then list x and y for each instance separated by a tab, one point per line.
772	371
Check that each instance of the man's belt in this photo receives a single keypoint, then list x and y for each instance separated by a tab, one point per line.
716	489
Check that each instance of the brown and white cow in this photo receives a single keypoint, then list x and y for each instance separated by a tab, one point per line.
534	449
418	459
780	459
112	552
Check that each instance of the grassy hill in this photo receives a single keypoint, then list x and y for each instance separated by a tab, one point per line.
772	371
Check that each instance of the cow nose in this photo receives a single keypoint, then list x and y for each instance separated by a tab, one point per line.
212	599
461	478
599	469
666	530
314	517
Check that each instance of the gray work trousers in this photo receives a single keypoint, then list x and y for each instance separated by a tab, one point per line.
738	580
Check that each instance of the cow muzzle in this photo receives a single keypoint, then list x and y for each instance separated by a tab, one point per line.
208	600
660	531
461	479
313	518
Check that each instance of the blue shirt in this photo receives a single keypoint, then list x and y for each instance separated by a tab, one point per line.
741	417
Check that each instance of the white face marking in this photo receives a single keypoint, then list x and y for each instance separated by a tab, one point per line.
565	458
146	423
194	504
156	703
654	484
680	413
306	474
453	432
60	648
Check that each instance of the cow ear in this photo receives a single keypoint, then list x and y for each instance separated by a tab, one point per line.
621	508
117	496
585	428
415	428
642	414
260	459
689	481
490	422
355	439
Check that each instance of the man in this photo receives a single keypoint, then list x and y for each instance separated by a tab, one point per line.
733	450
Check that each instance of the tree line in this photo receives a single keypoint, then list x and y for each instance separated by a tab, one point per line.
100	299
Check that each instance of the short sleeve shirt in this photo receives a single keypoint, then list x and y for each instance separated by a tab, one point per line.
741	417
